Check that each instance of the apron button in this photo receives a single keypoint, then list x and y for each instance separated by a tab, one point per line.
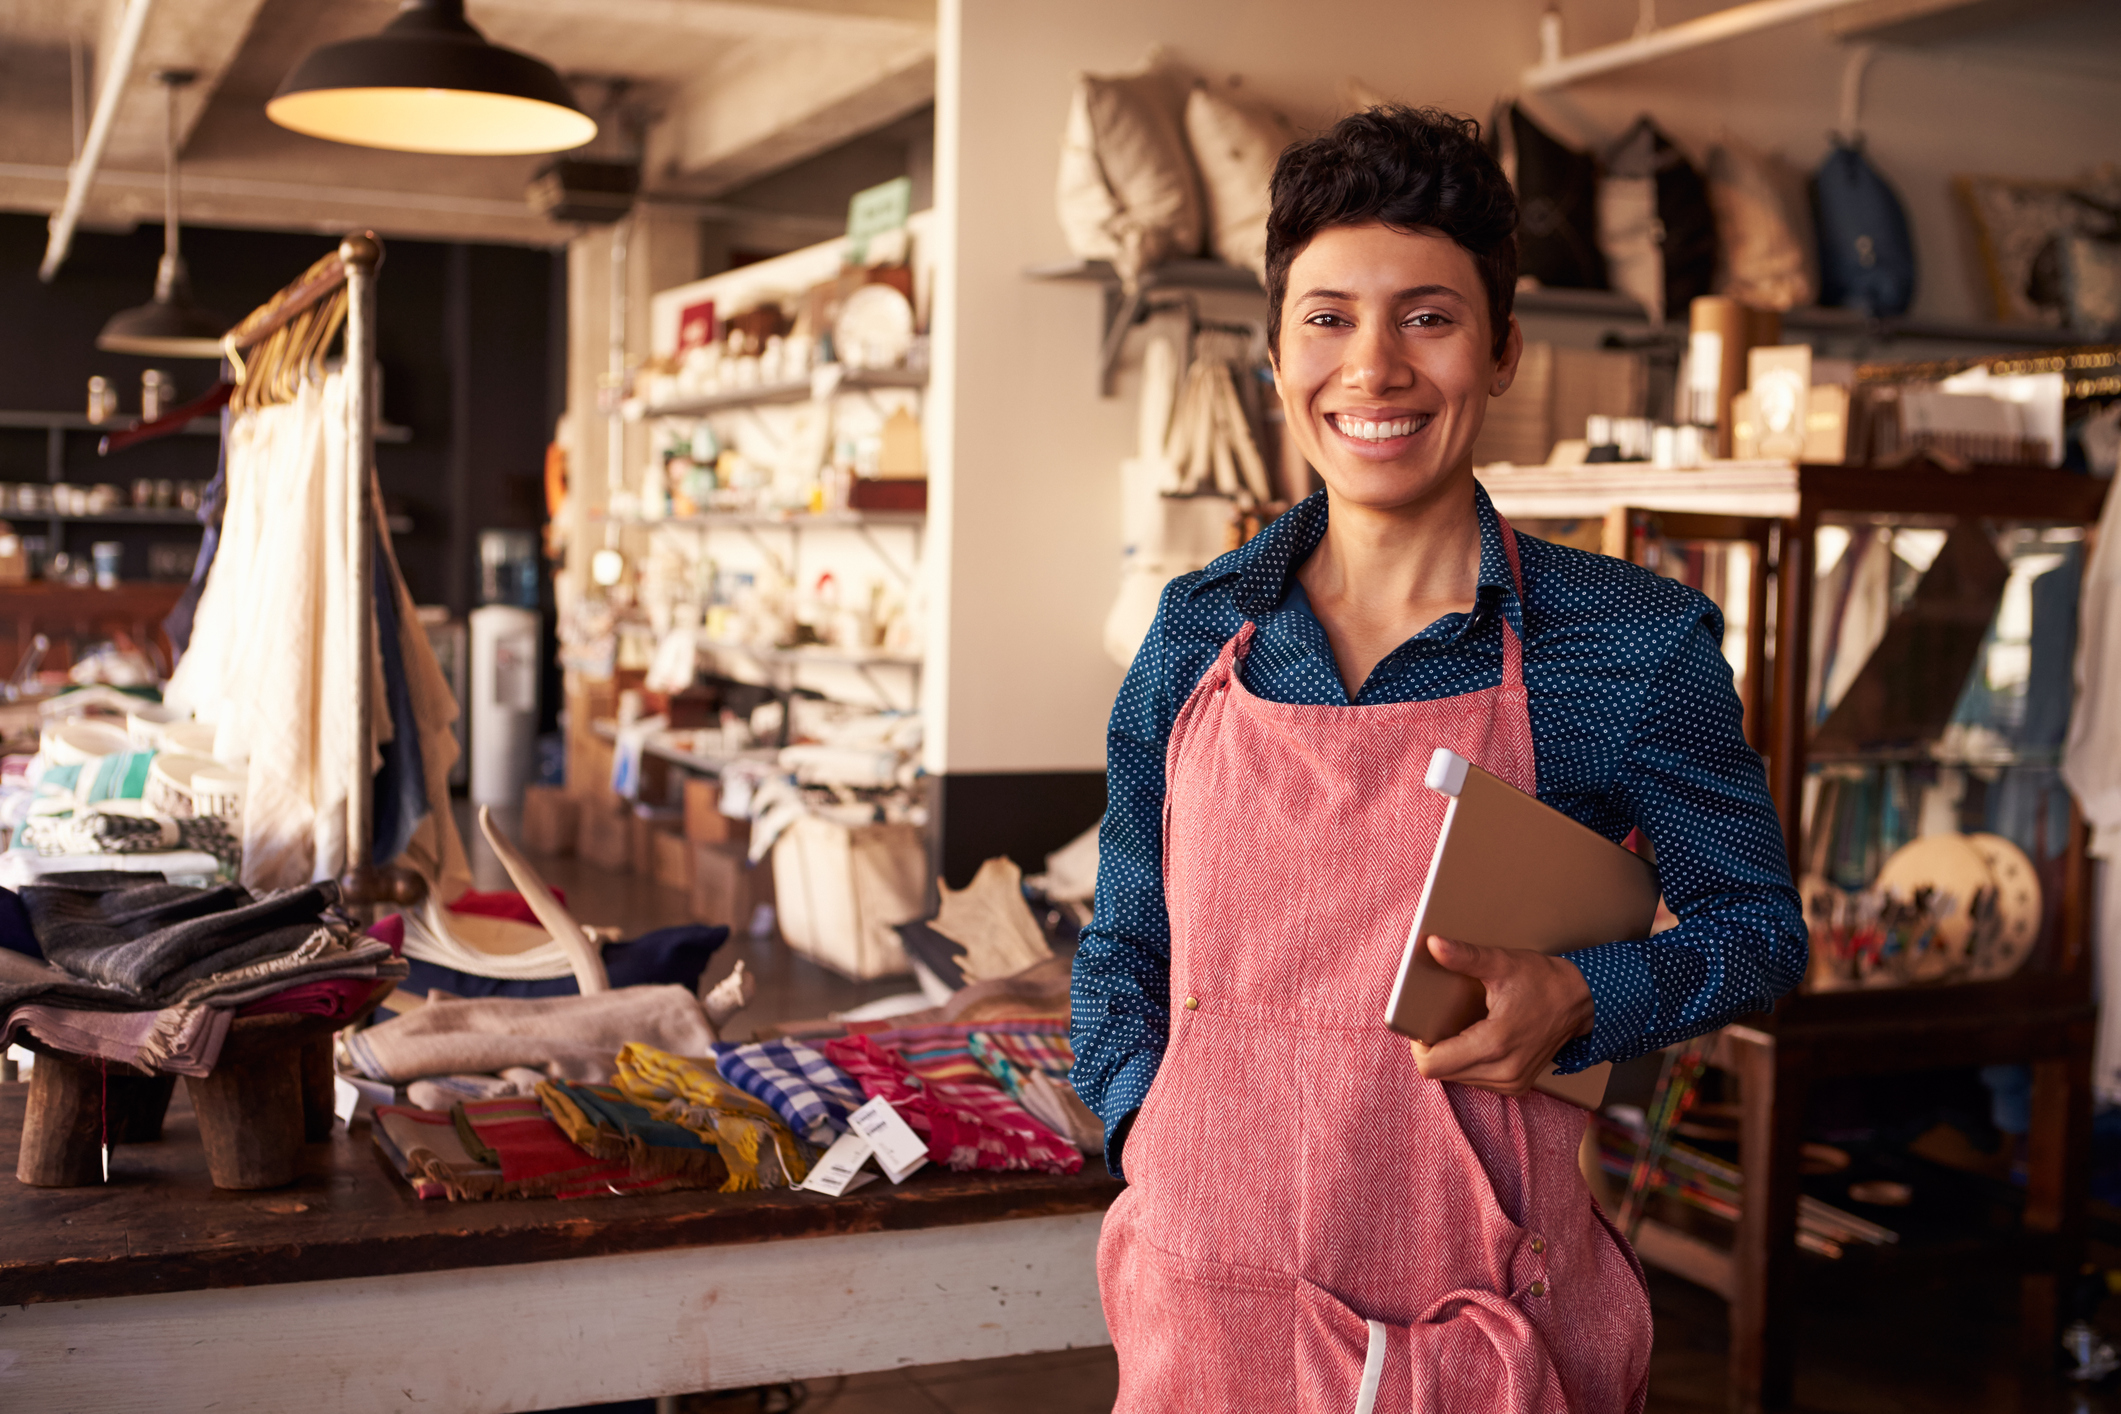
1539	1288
1193	1004
1539	1245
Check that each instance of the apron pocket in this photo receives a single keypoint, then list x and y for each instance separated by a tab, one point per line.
1472	1350
1192	1334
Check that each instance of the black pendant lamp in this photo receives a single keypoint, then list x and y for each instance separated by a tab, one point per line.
429	82
169	326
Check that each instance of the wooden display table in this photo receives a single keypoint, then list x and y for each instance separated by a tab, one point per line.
344	1292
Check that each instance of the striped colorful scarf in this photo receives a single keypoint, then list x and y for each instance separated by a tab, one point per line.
600	1120
969	1124
759	1150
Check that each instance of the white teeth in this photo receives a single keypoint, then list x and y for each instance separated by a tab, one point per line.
1378	431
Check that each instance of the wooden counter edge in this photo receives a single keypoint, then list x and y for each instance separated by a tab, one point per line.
576	1228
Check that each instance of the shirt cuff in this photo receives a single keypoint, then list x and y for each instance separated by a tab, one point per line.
1122	1098
1623	1004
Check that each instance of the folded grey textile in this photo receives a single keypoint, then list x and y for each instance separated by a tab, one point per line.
152	939
23	978
185	1036
328	952
567	1038
182	1041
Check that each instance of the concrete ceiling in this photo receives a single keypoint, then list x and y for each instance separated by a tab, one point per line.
725	91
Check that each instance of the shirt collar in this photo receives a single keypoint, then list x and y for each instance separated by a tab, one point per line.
1265	565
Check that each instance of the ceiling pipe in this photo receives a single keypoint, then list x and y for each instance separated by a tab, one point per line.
82	175
1676	39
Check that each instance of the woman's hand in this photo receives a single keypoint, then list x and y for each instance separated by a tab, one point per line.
1536	1005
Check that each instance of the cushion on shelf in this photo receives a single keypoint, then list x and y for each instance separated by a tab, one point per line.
1764	226
1128	190
1655	223
1236	147
1557	203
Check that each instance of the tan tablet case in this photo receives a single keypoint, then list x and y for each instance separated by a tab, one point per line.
1510	872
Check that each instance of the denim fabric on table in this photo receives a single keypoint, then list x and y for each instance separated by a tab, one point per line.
1634	724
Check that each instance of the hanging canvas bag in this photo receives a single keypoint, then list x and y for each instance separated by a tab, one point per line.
1866	256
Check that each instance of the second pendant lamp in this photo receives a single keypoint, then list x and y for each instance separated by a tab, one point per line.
430	82
169	325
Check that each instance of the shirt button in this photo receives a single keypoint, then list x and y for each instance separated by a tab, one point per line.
1193	1004
1539	1288
1539	1244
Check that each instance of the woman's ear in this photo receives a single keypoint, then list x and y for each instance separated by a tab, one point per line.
1506	366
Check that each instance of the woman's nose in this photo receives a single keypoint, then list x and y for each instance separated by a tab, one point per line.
1375	362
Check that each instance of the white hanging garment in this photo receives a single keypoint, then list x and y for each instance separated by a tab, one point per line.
271	654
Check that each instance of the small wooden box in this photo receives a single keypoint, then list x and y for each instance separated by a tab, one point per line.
647	820
673	859
888	494
704	821
726	886
550	819
604	836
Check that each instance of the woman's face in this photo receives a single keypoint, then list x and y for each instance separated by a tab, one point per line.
1385	366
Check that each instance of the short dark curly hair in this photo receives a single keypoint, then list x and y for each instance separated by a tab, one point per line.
1409	168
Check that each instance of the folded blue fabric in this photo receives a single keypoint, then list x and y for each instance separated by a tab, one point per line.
668	955
15	932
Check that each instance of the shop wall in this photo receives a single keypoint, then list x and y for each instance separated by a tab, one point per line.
1026	508
1027	501
465	339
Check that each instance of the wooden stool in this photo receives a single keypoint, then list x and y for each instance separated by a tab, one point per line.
75	1105
270	1092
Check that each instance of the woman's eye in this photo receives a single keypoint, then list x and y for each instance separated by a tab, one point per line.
1428	319
1324	318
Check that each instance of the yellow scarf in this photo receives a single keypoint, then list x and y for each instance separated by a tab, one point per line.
690	1092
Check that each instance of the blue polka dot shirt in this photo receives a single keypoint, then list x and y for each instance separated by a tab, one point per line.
1634	724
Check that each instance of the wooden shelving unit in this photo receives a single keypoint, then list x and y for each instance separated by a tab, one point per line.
2043	1016
857	380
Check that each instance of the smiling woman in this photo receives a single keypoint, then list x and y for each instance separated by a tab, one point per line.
1413	1226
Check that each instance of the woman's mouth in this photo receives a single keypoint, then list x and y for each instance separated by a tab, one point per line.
1359	429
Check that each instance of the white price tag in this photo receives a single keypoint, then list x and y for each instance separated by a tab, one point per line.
899	1151
839	1170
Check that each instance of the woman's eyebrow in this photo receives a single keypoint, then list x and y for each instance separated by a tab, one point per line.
1411	292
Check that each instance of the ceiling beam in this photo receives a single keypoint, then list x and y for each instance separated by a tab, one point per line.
766	107
735	20
122	51
202	36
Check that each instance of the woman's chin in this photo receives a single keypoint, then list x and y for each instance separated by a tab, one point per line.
1388	486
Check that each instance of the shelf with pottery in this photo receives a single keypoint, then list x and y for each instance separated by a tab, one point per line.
1196	274
823	382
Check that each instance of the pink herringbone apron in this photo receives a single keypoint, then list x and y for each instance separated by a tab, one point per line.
1309	1224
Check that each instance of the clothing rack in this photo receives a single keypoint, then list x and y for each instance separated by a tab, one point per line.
344	283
